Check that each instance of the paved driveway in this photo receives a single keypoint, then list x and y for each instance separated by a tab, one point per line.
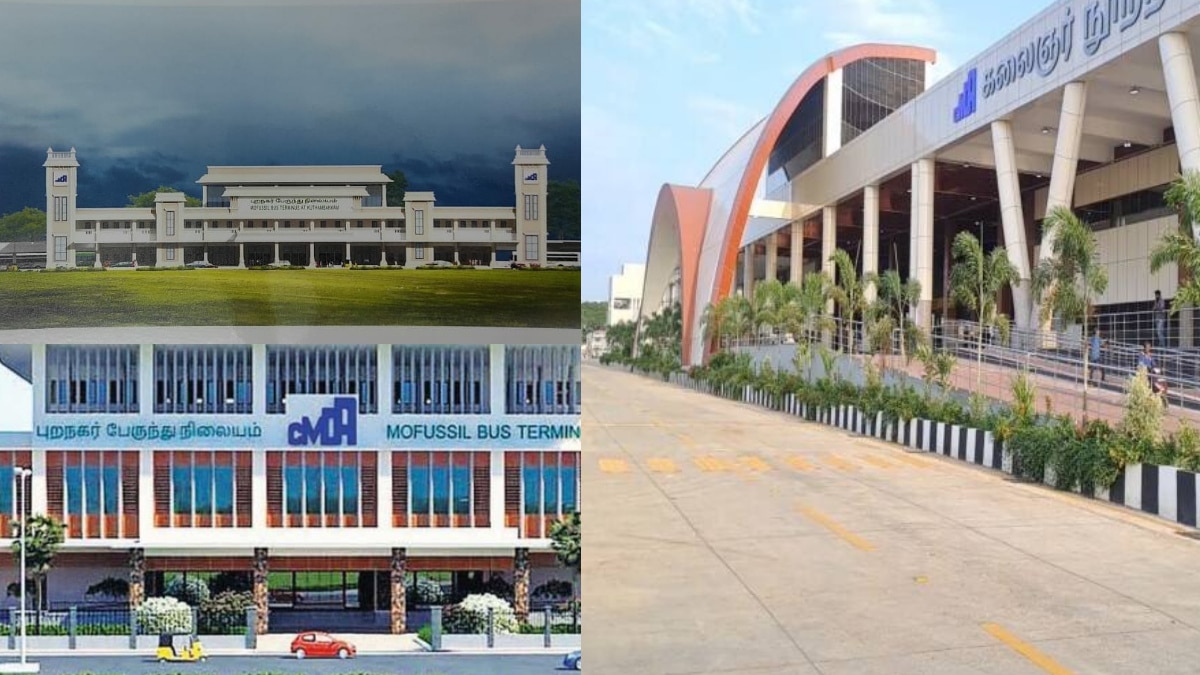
725	538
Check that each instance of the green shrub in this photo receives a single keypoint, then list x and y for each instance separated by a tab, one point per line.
164	615
225	613
1142	423
471	615
182	268
425	633
191	591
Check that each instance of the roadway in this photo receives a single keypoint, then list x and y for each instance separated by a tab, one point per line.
725	538
406	664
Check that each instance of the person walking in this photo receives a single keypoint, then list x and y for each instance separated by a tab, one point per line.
1160	320
1096	344
1146	359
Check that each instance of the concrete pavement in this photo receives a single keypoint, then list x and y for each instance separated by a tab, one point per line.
407	664
725	538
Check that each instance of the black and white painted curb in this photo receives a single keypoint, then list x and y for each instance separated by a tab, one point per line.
1165	491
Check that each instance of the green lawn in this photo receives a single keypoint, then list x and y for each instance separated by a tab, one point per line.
502	298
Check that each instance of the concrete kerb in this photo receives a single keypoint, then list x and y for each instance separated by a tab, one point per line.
1169	493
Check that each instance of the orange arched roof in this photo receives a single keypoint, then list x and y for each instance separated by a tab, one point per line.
740	211
686	210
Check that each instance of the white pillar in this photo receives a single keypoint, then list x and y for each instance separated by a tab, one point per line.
347	251
796	254
383	255
241	255
828	245
312	254
276	252
870	235
1012	217
922	238
833	113
748	271
1066	155
1180	78
772	257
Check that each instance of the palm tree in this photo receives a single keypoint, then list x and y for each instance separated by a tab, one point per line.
1181	247
848	292
765	305
975	283
896	297
1068	281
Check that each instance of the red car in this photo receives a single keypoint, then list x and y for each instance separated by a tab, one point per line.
317	644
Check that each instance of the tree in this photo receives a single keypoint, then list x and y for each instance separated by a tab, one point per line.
895	298
1180	247
765	306
28	224
849	292
563	210
727	319
620	339
42	540
565	538
397	188
976	280
146	199
1067	282
593	315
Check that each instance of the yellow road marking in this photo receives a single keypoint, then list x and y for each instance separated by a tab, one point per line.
663	465
1027	650
877	461
755	463
710	463
614	466
840	463
836	528
915	461
801	464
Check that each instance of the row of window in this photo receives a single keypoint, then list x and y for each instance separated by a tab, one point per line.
219	379
96	492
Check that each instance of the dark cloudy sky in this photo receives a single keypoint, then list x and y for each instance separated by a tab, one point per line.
150	92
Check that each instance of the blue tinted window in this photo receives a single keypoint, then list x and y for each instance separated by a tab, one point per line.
223	492
312	489
462	490
181	483
112	489
419	484
550	489
530	480
570	492
441	490
91	477
7	488
74	488
332	480
204	486
350	490
293	481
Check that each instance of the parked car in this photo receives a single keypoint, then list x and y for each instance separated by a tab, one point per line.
122	264
574	660
318	645
202	264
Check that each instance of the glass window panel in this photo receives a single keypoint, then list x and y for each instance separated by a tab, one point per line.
204	486
181	484
312	489
293	483
352	601
462	490
419	486
223	474
550	487
530	480
350	490
74	489
112	489
7	488
332	480
441	490
570	490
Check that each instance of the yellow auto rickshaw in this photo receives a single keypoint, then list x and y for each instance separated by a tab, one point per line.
192	650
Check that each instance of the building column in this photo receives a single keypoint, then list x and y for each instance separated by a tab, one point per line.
137	577
383	257
796	254
347	251
456	254
772	271
205	246
241	255
97	263
748	272
922	238
1012	218
521	584
399	609
261	596
870	237
276	252
1062	174
1184	101
312	254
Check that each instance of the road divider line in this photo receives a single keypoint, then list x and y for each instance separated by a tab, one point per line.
614	466
663	465
754	463
1031	653
712	464
911	460
840	463
801	464
836	528
878	461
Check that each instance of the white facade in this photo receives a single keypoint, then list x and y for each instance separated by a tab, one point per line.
301	215
625	293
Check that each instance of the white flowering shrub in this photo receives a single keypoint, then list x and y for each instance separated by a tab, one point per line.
471	615
164	615
429	592
190	591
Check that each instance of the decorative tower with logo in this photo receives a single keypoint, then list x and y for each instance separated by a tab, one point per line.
531	169
60	207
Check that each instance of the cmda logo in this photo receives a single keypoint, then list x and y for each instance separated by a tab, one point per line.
334	425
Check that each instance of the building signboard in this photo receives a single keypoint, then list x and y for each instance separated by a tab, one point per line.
272	206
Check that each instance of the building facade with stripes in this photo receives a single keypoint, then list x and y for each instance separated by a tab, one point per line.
314	216
358	469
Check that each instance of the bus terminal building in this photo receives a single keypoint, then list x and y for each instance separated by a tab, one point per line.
1090	105
355	469
311	216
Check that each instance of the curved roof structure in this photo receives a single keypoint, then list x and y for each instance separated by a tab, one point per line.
728	190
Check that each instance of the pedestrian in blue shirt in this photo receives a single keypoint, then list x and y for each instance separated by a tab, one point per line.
1095	353
1146	359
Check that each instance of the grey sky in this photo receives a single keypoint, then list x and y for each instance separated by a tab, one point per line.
151	92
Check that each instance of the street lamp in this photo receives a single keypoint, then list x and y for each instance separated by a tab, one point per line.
22	474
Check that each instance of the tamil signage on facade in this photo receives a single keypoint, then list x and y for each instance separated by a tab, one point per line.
279	205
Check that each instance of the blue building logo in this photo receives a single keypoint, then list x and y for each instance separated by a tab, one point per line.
967	98
60	178
336	425
531	177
